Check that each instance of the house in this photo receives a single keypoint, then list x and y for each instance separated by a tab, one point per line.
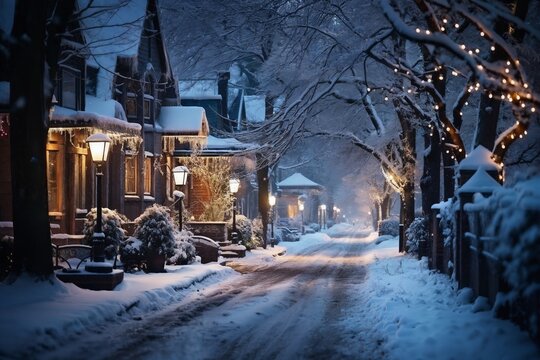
289	191
114	77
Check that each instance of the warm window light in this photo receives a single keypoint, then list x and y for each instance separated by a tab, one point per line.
99	147
180	174
234	184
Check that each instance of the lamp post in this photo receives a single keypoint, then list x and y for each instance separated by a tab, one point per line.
234	184
301	202
323	216
272	202
99	149
180	174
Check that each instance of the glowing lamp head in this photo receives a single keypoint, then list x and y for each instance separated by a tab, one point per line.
323	207
301	206
272	200
234	185
180	174
99	147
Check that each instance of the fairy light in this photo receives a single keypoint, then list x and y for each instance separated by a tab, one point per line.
492	48
428	32
533	109
503	146
525	86
463	46
482	34
445	21
477	50
417	30
436	107
441	77
386	98
508	63
466	103
443	29
368	89
448	128
470	52
504	81
456	25
395	70
507	70
454	73
525	132
490	95
512	136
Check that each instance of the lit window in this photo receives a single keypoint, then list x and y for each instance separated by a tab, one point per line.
54	179
131	174
148	175
146	109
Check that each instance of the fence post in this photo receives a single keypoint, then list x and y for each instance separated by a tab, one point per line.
401	238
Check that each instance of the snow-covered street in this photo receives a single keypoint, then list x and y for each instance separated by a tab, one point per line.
350	297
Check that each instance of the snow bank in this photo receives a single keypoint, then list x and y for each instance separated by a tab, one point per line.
41	314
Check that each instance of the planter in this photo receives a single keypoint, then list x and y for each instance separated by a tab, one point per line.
155	263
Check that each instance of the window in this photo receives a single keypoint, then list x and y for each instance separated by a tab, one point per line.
80	181
131	107
147	109
70	98
131	174
148	175
91	80
54	178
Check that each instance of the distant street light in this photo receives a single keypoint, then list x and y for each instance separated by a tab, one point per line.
99	149
234	185
180	174
272	202
323	216
301	202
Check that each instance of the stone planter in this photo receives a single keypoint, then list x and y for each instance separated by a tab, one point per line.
155	263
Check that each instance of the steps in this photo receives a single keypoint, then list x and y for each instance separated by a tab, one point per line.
230	250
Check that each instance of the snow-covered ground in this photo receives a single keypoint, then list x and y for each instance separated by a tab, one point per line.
395	308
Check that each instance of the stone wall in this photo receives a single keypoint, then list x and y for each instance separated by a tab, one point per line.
216	231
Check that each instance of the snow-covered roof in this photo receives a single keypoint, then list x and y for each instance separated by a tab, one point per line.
479	157
215	143
197	88
298	181
182	120
255	107
112	29
68	118
480	182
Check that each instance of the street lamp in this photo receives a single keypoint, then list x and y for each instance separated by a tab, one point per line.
301	202
180	174
234	184
99	149
323	215
272	202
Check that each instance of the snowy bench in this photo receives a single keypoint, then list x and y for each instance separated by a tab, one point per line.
70	256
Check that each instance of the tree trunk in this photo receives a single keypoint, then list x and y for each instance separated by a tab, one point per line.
34	60
264	206
29	126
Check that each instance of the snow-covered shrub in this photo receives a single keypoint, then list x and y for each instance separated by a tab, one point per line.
131	255
389	227
155	228
243	228
313	226
184	251
256	234
447	224
418	231
111	225
516	211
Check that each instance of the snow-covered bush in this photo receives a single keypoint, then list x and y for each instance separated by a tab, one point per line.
243	228
131	255
184	251
313	226
447	224
418	231
256	234
389	227
155	229
111	225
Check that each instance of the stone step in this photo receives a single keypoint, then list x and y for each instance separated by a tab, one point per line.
229	254
237	250
224	243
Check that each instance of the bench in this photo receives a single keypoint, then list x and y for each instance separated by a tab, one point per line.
70	257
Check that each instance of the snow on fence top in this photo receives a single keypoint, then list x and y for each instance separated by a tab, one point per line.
183	120
298	181
479	157
480	182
